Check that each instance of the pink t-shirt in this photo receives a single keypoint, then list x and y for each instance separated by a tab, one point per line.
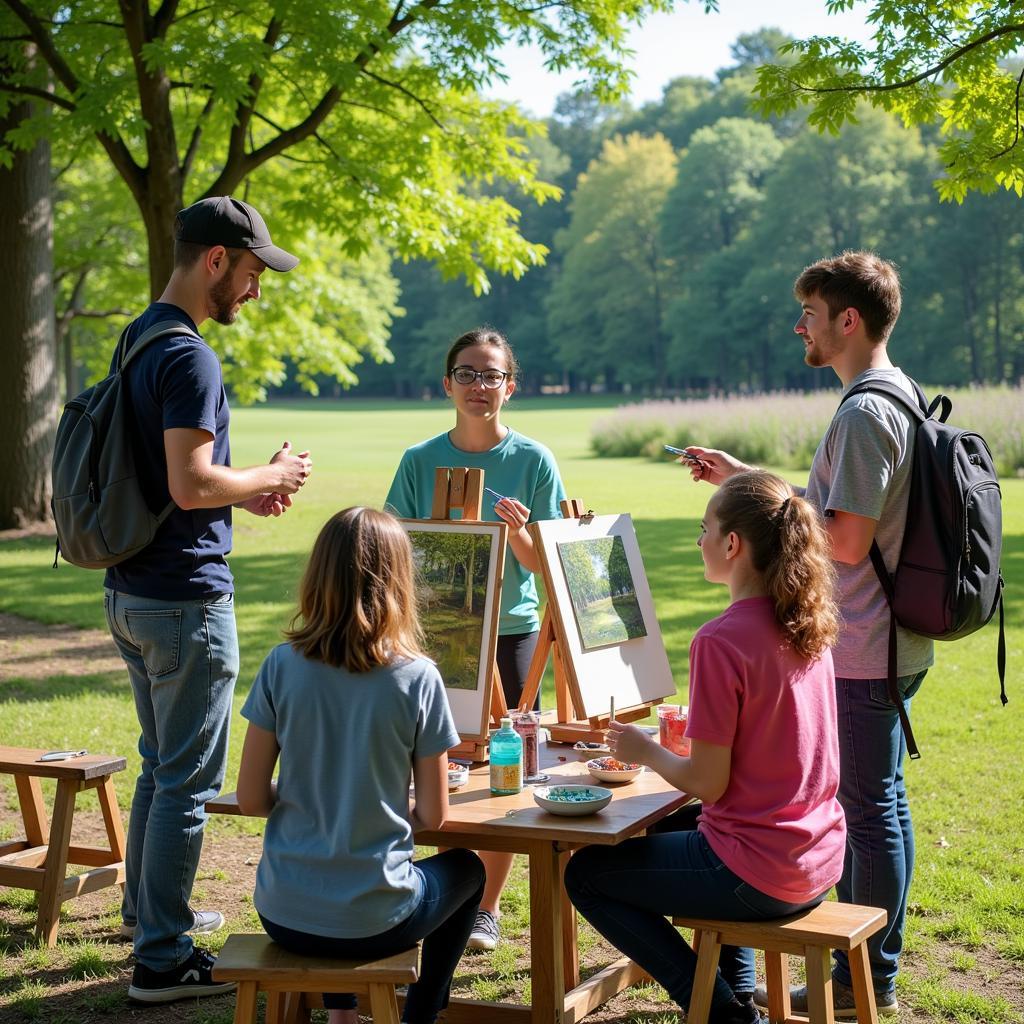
778	825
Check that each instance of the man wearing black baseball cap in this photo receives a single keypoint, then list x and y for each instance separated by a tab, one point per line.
221	220
170	608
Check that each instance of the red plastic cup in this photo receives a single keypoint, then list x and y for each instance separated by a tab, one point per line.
672	720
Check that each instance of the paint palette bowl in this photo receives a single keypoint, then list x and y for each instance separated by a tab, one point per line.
608	769
458	776
572	801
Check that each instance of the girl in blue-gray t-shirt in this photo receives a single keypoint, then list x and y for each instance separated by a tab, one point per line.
479	378
352	708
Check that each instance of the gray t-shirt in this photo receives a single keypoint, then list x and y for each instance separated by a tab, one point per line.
862	466
338	847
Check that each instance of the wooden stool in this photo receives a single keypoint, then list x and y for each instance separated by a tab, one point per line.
39	861
258	963
812	935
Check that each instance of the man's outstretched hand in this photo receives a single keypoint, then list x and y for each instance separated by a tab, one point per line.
713	466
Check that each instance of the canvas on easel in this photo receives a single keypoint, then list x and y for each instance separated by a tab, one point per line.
600	624
459	570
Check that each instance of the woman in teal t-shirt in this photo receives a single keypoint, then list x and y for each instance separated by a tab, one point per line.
479	378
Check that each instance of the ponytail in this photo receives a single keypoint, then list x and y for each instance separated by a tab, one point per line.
790	547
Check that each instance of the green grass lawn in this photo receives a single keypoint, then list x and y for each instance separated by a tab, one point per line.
965	959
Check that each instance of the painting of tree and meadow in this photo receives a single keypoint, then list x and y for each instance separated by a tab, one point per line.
603	594
451	587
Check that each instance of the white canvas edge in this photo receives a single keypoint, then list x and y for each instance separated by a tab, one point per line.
632	672
467	705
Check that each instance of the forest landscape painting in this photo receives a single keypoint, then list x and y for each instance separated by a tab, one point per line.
602	591
451	591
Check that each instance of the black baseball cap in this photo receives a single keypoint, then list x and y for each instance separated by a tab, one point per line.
221	220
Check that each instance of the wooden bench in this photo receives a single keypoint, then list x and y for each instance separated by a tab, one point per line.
39	861
259	964
812	935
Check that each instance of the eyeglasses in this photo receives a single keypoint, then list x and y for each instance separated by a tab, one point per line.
489	378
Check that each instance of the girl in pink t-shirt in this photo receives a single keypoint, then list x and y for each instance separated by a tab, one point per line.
764	756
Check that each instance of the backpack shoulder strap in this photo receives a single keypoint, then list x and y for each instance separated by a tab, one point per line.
919	409
158	330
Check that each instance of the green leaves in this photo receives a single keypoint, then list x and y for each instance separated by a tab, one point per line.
359	127
948	62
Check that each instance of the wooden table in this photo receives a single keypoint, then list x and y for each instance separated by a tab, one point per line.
516	824
39	861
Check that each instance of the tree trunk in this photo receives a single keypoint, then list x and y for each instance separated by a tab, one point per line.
28	354
158	215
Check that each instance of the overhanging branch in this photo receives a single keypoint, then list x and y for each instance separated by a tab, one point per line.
197	131
418	100
46	45
239	164
959	52
39	94
245	108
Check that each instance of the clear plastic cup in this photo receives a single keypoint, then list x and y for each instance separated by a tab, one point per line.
672	719
527	724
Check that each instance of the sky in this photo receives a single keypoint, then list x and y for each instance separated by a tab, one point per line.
685	42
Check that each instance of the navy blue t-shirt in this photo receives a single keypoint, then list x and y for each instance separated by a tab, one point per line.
176	382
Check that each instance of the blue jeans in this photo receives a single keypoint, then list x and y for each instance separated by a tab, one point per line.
453	883
879	833
182	659
628	891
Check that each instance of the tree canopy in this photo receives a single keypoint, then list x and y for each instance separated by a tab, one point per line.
948	62
358	130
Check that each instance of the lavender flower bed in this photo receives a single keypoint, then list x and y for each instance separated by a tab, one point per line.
783	428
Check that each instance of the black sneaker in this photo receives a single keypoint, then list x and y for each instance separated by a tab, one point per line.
190	980
739	1011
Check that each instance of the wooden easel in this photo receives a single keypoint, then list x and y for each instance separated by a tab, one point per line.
463	489
581	727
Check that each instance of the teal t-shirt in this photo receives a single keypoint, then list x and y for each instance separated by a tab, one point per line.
517	467
338	847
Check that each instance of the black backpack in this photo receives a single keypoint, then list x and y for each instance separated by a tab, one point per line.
101	514
947	582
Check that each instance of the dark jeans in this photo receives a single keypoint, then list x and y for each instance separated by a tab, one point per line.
513	655
879	833
453	883
627	892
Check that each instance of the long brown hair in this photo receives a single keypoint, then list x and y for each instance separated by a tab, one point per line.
790	548
357	599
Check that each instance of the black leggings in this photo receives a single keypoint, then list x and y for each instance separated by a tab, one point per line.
453	883
514	654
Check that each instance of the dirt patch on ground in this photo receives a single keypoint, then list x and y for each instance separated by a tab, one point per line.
33	650
30	532
225	882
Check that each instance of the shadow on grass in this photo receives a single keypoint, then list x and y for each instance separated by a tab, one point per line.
266	587
65	687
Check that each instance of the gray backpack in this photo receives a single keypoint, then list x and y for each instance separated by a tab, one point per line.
101	514
948	582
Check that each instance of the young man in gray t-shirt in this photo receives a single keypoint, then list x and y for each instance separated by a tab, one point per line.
860	480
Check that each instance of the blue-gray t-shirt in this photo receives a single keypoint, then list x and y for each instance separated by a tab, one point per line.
176	382
338	847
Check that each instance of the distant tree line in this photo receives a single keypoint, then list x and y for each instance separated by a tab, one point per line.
683	226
